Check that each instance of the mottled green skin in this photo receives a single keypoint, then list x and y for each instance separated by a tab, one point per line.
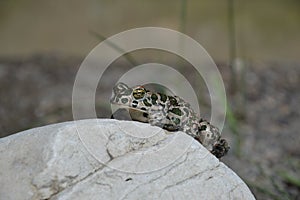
169	112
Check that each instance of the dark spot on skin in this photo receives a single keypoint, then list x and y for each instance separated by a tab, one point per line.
124	100
176	121
134	104
223	142
186	111
145	115
128	179
201	120
154	98
163	97
147	103
173	101
143	108
176	111
203	127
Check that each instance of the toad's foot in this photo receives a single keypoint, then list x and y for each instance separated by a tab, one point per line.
220	148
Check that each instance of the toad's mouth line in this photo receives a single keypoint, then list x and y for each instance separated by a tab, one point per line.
127	107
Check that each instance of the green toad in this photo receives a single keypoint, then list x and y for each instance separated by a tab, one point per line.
169	112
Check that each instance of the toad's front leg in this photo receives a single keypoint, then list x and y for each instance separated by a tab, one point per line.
158	116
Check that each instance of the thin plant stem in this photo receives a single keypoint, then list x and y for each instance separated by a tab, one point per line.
182	25
116	47
232	42
183	12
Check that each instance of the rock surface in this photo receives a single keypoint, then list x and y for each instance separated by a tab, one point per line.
110	159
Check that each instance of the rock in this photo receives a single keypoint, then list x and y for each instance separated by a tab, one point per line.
111	159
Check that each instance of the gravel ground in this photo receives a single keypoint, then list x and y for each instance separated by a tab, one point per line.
264	132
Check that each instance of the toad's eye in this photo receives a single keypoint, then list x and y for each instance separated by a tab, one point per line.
139	93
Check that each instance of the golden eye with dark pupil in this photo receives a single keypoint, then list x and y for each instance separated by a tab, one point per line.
139	93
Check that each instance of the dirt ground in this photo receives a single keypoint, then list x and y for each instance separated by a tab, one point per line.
263	131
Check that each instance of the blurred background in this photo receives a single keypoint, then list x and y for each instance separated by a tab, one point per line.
255	45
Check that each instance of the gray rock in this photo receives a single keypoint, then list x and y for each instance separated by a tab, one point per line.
110	159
